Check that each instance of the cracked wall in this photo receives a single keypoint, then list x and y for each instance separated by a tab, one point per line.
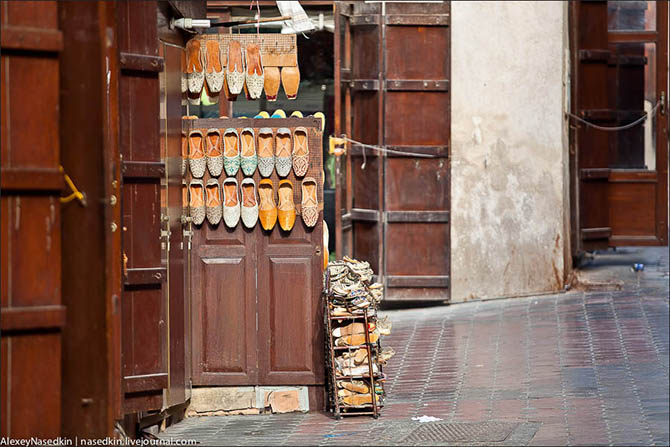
509	190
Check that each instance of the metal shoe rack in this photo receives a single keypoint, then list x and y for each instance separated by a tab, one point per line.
372	379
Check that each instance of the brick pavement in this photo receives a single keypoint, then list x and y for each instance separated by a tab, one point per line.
578	368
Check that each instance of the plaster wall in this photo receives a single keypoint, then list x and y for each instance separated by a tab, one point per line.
510	191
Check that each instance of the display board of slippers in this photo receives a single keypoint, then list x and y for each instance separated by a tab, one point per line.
232	63
249	171
354	358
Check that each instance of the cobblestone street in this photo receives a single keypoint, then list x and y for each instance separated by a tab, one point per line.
578	368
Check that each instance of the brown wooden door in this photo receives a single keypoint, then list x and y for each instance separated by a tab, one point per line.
621	74
144	316
392	76
32	314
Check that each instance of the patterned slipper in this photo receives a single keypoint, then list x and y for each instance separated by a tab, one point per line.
266	156
248	159
214	68
255	76
310	204
195	72
214	210
231	151
231	202
249	203
235	68
214	154
283	151
196	156
300	151
197	201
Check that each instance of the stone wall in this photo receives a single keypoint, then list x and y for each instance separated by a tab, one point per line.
510	200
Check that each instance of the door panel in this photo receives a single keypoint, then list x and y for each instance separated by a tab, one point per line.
32	314
398	213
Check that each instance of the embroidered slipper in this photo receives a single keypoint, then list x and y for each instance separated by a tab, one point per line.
267	211
310	204
286	207
266	156
283	151
272	83
300	152
214	68
290	79
249	203
214	210
248	159
255	76
231	202
214	154
197	201
195	73
235	68
196	156
231	151
184	153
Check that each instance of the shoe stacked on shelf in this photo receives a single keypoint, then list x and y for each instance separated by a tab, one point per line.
231	64
355	357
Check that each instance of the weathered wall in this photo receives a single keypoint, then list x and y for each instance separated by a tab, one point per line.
510	200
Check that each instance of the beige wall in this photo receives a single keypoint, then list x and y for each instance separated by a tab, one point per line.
510	202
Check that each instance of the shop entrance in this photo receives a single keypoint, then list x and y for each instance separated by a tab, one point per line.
392	101
619	177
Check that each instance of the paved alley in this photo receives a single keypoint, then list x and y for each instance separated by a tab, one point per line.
578	368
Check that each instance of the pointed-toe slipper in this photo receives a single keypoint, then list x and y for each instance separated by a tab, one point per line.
231	151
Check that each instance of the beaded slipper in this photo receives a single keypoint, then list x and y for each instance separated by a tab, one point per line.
283	151
231	151
214	154
214	68
214	210
310	205
231	202
195	73
196	156
255	77
197	201
248	159
300	152
249	203
235	68
266	156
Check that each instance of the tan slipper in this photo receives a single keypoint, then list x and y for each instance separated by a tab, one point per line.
310	205
255	76
235	68
195	73
272	83
290	79
214	68
300	152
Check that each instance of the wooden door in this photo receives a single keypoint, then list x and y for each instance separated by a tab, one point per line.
32	312
621	74
392	76
144	314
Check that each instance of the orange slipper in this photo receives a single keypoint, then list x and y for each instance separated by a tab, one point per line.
272	83
286	208
267	211
290	79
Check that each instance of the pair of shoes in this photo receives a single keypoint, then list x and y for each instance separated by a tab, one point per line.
205	201
234	156
245	70
232	206
289	78
284	211
198	159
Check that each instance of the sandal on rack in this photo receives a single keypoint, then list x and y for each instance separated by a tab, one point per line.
231	202
309	205
272	83
196	156
267	211
249	203
214	154
300	152
248	159
283	151
213	193
197	201
214	67
235	68
255	77
266	156
231	151
286	207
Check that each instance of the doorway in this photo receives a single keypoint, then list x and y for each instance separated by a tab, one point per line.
619	145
